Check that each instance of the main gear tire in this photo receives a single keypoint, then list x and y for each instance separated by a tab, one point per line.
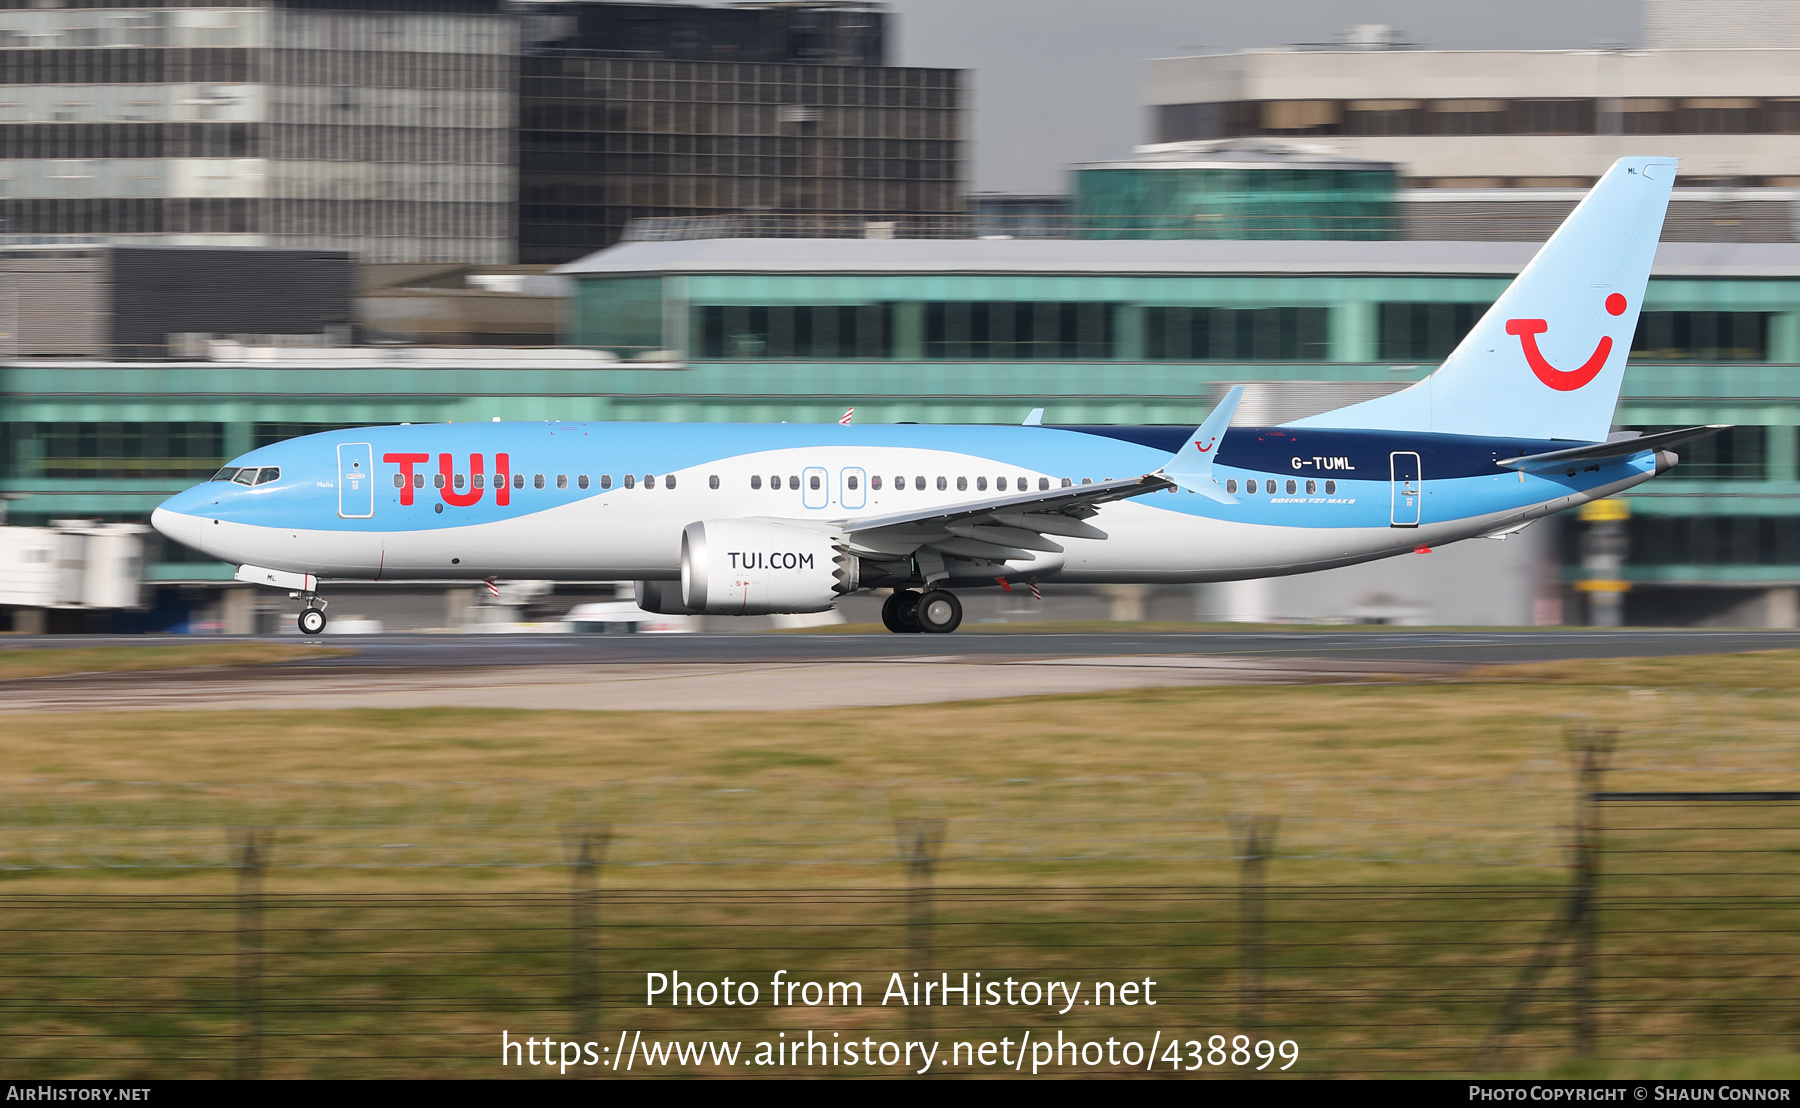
312	621
938	612
897	612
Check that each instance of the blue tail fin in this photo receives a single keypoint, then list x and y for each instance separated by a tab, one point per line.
1547	360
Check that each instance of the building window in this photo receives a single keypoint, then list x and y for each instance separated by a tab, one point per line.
808	331
1658	540
1235	334
1702	336
1423	332
1021	330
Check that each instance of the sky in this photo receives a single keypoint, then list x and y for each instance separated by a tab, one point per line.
1060	81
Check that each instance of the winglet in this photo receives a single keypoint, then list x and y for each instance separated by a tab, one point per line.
1191	466
1035	419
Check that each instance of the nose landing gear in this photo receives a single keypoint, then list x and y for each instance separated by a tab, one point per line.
312	617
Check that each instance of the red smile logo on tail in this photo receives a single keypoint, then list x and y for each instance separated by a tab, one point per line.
1560	379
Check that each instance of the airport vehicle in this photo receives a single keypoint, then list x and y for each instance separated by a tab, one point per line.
786	518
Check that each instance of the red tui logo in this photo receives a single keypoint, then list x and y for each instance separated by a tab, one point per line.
1563	380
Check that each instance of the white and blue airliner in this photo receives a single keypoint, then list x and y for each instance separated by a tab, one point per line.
753	519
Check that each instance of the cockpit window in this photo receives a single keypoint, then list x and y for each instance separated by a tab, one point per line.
268	473
226	474
246	476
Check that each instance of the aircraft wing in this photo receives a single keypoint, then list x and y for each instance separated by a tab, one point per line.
1000	527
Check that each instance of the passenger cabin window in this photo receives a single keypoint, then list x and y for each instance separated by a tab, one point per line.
1043	484
1000	484
919	483
1087	480
399	481
437	480
538	481
980	484
649	480
518	480
1312	487
851	482
814	482
606	480
1331	488
1291	487
562	480
481	480
713	481
874	483
630	481
1231	485
581	482
943	484
669	481
418	480
794	483
756	480
1250	485
458	481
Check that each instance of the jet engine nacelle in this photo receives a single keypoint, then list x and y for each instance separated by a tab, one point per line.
744	567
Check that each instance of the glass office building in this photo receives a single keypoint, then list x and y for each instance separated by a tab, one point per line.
634	112
1236	191
380	128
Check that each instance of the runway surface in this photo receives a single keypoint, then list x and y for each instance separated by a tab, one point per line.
800	671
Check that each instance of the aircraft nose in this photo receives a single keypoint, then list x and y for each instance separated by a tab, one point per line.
179	526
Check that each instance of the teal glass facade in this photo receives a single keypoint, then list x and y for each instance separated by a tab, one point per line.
1183	202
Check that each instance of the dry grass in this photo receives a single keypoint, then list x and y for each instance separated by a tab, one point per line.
1417	794
1776	670
119	659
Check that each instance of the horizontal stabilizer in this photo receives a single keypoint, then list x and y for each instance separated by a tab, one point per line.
1613	448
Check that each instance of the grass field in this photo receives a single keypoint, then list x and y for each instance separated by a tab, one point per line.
418	900
26	662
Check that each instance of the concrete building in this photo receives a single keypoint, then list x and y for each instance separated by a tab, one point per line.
384	129
1486	119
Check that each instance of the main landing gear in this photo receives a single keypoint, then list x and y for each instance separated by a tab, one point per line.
312	617
936	612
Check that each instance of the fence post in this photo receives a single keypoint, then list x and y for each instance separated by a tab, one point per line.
252	860
1578	923
586	846
921	844
1256	842
1589	748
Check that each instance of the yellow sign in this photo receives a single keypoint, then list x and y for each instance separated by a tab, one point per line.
1605	511
1603	586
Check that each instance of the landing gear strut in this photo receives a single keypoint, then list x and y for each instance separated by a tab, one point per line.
312	617
898	612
